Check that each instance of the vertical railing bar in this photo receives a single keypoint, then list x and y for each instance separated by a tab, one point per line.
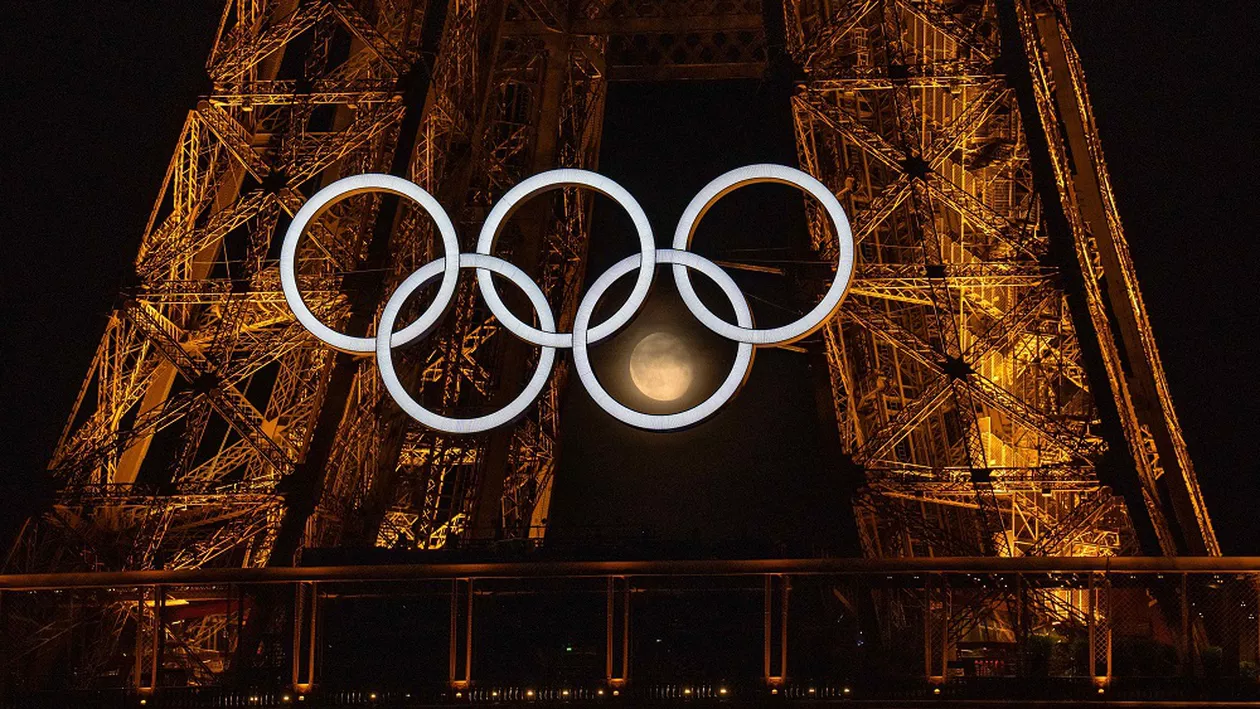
610	608
786	583
1187	665
137	666
311	675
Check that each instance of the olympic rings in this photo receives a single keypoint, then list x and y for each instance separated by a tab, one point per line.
583	335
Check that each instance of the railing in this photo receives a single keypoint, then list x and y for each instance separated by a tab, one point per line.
551	631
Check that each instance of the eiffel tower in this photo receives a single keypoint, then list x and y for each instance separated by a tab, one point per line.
994	378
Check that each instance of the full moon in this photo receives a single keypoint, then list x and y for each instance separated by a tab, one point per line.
660	366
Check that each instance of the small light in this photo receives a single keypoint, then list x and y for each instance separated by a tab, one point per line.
564	692
458	695
936	690
600	692
1101	690
286	698
687	690
811	690
529	692
722	690
495	693
372	696
568	648
846	690
774	691
616	692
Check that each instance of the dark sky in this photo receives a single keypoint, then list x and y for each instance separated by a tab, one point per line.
94	97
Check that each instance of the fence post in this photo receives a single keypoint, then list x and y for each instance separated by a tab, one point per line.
1099	620
305	634
152	633
776	621
1183	647
935	628
1021	626
5	670
617	650
138	654
461	633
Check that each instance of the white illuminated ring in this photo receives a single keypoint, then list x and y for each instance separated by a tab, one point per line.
325	198
749	175
583	335
543	182
384	345
682	419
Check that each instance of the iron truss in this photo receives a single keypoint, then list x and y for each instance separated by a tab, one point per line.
960	382
210	430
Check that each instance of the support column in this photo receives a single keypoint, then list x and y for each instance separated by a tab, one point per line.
776	622
617	651
305	617
461	633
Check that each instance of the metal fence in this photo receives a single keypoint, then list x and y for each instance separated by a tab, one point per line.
720	631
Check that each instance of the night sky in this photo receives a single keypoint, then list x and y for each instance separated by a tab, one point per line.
94	98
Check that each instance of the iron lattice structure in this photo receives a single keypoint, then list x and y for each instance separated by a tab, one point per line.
993	370
211	431
995	345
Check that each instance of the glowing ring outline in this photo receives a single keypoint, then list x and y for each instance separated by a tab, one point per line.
462	426
730	181
746	337
544	182
681	419
325	198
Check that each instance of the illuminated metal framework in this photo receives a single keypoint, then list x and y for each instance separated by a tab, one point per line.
992	367
961	370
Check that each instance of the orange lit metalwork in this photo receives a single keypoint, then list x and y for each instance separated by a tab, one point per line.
962	374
